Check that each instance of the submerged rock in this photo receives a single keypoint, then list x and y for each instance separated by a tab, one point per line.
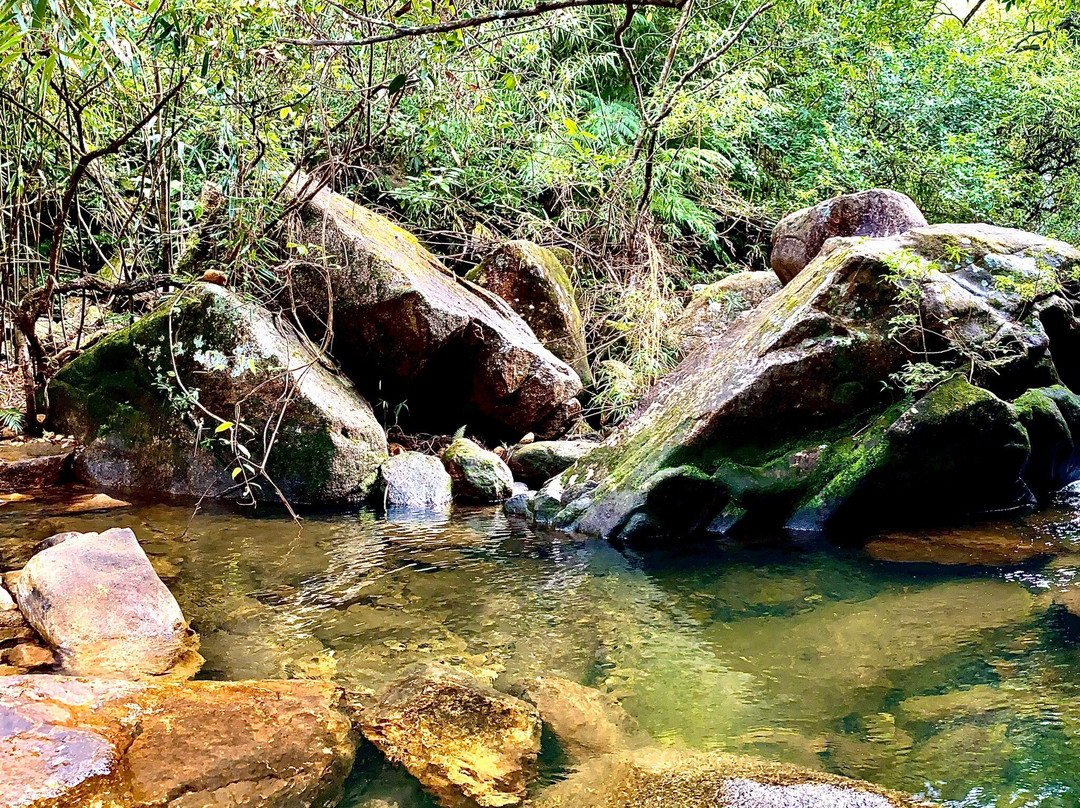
479	475
586	722
534	282
536	463
96	599
713	309
669	778
31	465
104	743
979	545
798	238
407	326
467	744
416	481
789	413
144	431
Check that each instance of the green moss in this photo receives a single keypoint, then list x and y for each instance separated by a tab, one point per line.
303	460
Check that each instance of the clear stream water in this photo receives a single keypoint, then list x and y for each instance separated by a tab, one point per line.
951	682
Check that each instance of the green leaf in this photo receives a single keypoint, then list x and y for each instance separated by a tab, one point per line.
397	84
224	426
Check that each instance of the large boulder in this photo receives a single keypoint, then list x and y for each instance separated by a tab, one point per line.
656	777
724	440
96	599
479	476
714	308
534	282
417	482
405	327
105	743
799	236
141	400
467	744
536	463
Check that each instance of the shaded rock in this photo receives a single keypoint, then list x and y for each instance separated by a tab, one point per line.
466	743
799	236
715	307
96	743
722	441
1051	417
416	481
479	475
521	498
974	703
992	545
143	432
457	353
585	721
96	599
29	656
668	778
536	463
31	465
534	282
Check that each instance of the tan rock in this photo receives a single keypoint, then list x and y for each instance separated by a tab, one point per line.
993	545
714	308
96	743
29	656
467	744
96	599
30	465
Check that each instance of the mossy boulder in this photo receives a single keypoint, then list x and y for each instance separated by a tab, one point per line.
479	476
141	402
1051	416
408	330
534	282
796	409
713	308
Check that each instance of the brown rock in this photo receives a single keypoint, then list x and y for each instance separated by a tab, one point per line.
95	743
992	545
96	599
30	465
467	744
586	722
28	656
216	277
798	238
714	308
535	284
457	353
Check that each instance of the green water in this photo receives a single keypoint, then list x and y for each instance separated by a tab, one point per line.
949	682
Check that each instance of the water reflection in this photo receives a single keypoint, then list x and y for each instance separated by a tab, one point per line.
956	682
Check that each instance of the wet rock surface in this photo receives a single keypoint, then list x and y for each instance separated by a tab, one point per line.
798	238
105	743
535	283
467	744
142	431
536	463
479	476
454	351
96	599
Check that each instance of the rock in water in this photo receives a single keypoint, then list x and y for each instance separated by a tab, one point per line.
143	431
670	778
416	481
790	413
467	744
535	284
101	743
408	327
536	463
717	306
798	238
32	465
97	600
479	475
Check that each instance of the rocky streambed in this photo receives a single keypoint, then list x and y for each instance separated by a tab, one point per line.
566	673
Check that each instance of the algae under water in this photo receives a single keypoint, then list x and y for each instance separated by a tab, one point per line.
956	683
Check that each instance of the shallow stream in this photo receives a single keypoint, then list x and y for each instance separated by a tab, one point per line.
951	682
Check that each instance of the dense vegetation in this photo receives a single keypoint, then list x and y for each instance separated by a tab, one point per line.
657	140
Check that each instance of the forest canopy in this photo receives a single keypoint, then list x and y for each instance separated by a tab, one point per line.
658	141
